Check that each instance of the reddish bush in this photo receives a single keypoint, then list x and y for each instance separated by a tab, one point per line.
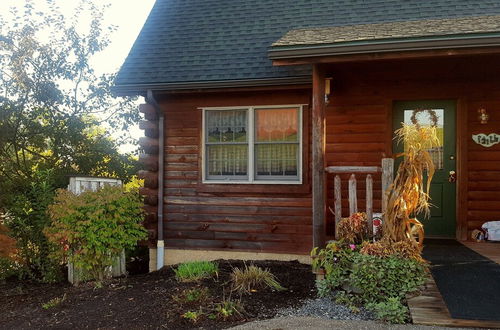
7	244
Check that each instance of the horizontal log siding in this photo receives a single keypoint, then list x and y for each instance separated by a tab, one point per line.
359	121
483	195
238	217
359	132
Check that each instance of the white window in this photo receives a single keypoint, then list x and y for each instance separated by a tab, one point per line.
252	144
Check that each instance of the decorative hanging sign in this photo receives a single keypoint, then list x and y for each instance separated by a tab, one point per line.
486	140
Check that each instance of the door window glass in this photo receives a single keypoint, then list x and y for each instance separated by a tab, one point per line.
430	117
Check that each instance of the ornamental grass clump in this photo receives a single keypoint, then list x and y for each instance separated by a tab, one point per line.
409	192
252	278
196	270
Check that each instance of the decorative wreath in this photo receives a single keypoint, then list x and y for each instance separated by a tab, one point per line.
432	115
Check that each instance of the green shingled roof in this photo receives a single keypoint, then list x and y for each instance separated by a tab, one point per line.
197	42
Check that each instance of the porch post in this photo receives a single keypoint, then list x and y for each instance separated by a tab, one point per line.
318	156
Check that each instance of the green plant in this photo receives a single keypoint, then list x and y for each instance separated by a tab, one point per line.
198	295
192	316
348	299
26	217
336	260
228	308
54	302
252	278
377	279
196	270
390	310
92	228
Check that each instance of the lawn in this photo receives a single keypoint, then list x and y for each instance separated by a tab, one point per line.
152	300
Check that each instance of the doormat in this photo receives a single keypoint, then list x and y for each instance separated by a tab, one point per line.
469	283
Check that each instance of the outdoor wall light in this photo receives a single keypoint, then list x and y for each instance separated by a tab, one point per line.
483	116
328	82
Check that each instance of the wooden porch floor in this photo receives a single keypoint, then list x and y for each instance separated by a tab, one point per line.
430	309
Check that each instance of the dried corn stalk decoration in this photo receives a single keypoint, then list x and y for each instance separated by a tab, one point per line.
409	193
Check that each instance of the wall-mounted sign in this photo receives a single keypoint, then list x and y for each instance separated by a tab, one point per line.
486	140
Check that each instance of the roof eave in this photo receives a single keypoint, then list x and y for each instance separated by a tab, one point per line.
141	89
384	46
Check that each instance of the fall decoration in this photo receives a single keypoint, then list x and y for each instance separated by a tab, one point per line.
409	193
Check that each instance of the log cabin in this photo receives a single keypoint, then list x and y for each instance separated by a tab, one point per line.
248	104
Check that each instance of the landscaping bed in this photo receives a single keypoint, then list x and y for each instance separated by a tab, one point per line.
151	300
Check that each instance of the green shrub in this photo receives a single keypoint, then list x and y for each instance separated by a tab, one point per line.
195	270
336	260
92	228
379	282
377	279
8	268
26	217
252	278
390	310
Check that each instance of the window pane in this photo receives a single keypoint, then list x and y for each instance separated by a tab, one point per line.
426	117
272	125
226	126
277	160
227	160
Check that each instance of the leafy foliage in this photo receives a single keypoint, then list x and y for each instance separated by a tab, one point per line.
380	278
390	310
354	229
55	116
228	308
377	275
192	316
7	244
26	218
196	270
92	228
252	278
336	259
195	295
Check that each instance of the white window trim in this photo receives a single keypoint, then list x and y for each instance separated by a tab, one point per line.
251	160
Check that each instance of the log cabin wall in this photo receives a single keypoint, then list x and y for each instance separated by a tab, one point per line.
239	217
359	123
277	218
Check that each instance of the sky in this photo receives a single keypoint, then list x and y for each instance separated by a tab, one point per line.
127	15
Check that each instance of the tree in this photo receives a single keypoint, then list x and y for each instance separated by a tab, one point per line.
56	114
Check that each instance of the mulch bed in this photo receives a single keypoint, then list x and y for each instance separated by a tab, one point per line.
147	301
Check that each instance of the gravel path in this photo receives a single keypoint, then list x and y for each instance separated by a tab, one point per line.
316	323
324	313
326	308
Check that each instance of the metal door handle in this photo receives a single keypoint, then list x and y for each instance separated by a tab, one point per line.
452	176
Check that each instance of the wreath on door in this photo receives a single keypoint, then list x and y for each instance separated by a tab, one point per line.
432	116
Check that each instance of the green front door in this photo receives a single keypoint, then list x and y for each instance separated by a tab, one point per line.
442	114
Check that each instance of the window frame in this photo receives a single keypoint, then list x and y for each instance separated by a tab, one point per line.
252	177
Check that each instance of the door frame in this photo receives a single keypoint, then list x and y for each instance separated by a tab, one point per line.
461	134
